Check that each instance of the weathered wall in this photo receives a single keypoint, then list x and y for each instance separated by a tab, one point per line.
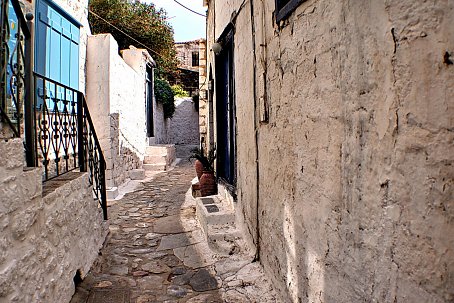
160	125
245	207
355	161
183	128
184	54
44	241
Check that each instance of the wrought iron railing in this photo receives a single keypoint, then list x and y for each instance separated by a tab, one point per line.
59	132
14	34
65	138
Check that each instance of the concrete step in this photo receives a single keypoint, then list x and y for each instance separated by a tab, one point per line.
224	239
217	219
155	159
137	174
160	154
154	167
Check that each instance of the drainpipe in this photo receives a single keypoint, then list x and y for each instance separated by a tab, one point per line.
261	112
257	229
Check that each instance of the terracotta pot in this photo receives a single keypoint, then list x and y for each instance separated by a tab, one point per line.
208	184
198	168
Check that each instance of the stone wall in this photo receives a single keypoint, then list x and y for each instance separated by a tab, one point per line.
183	128
354	143
124	159
184	54
45	241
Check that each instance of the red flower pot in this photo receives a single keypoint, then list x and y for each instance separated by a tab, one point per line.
208	184
198	168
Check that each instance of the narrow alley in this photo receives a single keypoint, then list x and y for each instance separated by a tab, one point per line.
156	252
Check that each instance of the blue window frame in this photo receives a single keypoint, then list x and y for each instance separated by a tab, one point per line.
56	50
285	7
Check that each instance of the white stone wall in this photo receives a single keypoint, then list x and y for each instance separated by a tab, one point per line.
183	128
160	125
44	241
355	160
116	97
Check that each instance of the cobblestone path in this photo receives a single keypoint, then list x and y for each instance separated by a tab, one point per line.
156	252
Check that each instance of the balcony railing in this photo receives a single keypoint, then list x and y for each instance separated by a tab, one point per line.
58	130
65	138
14	34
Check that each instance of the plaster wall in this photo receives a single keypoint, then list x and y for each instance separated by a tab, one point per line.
45	240
354	119
117	98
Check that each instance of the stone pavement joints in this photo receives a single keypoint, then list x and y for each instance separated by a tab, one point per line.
156	252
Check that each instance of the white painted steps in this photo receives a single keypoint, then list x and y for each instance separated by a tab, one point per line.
217	219
159	157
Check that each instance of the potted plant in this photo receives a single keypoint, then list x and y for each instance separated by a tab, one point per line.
205	171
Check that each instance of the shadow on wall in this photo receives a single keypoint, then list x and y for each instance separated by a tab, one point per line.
183	127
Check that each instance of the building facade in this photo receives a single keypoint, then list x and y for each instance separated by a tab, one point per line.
333	127
51	226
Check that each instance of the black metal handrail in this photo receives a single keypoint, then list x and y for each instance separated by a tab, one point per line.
13	65
65	137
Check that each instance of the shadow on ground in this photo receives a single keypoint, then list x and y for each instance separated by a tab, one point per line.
153	250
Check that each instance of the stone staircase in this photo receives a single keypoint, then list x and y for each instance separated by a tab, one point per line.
217	219
159	157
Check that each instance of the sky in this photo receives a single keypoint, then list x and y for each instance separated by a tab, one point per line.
186	25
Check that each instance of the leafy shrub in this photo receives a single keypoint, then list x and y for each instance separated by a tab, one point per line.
164	95
178	91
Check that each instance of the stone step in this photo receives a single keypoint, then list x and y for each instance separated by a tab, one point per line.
217	220
137	174
111	193
160	154
162	159
224	239
154	167
159	150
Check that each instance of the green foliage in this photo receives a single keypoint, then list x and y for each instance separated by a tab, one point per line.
164	95
178	91
142	21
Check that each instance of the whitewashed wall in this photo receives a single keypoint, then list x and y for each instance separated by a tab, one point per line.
351	200
44	241
116	95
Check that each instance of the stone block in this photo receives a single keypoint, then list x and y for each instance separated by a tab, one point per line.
112	193
137	174
12	152
155	167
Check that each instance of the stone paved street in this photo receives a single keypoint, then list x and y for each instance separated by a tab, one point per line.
156	252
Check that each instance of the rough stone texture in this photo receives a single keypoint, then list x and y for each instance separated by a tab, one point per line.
355	158
45	241
193	273
183	128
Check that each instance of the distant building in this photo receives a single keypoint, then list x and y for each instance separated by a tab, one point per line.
192	65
